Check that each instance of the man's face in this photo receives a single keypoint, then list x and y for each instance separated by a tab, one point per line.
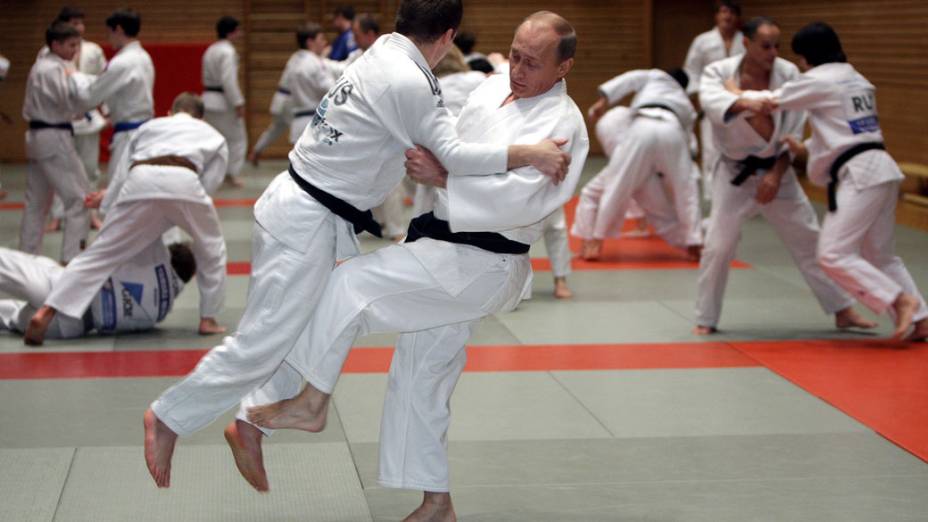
317	44
765	46
67	49
364	40
77	23
236	35
533	64
725	19
341	23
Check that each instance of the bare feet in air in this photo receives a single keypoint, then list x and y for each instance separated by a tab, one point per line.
245	442
905	307
704	330
591	249
561	290
920	334
435	507
849	318
54	225
307	411
159	448
209	326
38	325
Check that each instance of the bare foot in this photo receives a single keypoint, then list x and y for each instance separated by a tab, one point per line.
209	326
561	290
704	330
159	448
435	507
920	335
849	318
235	182
307	411
905	307
38	325
591	249
53	226
245	442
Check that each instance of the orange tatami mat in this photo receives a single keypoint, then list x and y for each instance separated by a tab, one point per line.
881	384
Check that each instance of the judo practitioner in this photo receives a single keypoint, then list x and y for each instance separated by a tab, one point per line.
171	166
125	85
54	166
344	43
467	259
136	296
754	176
225	105
722	41
657	142
846	154
346	163
309	79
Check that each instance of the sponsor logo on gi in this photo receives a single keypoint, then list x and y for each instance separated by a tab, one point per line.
860	108
338	95
131	293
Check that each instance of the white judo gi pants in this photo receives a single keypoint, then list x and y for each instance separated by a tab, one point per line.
709	154
651	146
555	236
88	149
791	215
280	123
129	228
29	279
232	129
283	290
119	148
856	247
390	290
54	168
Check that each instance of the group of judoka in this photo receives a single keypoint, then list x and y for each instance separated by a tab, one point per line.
494	159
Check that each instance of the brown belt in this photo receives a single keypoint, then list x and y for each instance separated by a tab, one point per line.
167	161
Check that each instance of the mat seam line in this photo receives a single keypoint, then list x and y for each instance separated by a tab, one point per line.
64	484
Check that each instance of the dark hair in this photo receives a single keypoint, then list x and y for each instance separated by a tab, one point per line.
225	26
129	20
734	7
427	20
465	40
182	261
307	31
567	46
69	13
750	28
59	32
190	103
680	75
818	43
368	23
345	11
481	64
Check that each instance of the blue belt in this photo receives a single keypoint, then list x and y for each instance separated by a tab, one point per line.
127	125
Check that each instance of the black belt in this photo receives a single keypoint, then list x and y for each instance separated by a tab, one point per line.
839	162
427	225
38	125
361	219
655	106
300	114
750	165
213	89
281	90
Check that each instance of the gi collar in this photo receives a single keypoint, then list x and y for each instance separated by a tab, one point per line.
407	47
134	45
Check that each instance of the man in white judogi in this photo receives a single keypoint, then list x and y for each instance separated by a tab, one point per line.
171	166
722	41
847	155
55	167
656	142
225	105
754	176
346	162
136	296
466	260
309	81
125	85
655	198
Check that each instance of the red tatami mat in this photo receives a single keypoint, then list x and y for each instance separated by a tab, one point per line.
166	363
879	383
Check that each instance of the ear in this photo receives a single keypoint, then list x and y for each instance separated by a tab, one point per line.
564	67
447	37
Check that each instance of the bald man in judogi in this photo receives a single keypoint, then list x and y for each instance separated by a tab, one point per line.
467	259
345	163
754	176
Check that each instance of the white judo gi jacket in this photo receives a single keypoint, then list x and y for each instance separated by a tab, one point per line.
790	212
220	70
89	60
309	80
706	48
